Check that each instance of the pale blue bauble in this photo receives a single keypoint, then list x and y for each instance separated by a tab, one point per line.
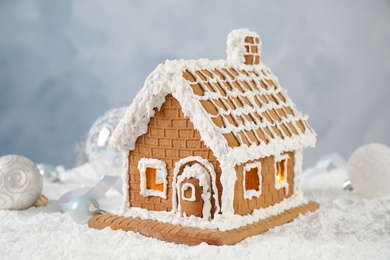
83	209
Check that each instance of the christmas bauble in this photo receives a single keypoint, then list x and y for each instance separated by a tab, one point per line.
83	209
20	182
369	170
104	159
49	172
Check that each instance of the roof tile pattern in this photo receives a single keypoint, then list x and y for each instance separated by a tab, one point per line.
246	107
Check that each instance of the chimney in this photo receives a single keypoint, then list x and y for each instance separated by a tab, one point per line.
244	46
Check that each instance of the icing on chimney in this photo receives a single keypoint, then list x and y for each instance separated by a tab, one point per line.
244	46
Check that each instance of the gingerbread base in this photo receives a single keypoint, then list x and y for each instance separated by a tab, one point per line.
193	235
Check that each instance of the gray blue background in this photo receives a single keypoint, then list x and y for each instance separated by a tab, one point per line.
64	63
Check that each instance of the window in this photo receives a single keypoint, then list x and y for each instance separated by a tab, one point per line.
252	180
154	179
281	172
188	192
153	175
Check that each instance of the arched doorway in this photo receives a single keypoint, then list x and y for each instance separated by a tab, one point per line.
194	193
194	188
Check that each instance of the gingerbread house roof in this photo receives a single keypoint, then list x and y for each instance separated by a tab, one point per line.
237	105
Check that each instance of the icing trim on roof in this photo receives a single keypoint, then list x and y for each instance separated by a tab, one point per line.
167	79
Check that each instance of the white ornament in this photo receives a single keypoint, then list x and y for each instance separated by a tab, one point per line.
104	159
20	182
369	170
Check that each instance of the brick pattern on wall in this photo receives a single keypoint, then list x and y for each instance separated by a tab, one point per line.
170	137
269	195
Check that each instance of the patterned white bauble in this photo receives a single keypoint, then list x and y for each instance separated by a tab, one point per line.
104	159
369	170
20	182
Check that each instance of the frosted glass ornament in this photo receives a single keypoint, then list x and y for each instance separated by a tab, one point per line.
369	170
20	182
104	160
83	209
49	173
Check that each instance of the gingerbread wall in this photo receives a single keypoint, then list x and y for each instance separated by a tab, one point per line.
269	195
170	137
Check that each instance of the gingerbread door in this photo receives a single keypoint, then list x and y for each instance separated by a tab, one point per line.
193	192
191	202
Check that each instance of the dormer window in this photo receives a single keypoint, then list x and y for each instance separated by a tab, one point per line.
153	175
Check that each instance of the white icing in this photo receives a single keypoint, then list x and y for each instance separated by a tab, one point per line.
198	172
210	169
283	183
184	188
228	180
248	194
161	172
298	161
168	79
221	222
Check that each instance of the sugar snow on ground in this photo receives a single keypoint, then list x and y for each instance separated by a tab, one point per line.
345	227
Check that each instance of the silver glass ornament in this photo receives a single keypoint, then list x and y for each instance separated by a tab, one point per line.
104	159
49	172
20	182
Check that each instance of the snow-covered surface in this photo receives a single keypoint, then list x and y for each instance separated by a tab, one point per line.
345	227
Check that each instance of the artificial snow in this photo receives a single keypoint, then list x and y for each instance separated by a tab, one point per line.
344	227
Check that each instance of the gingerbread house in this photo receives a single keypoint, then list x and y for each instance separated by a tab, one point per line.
212	150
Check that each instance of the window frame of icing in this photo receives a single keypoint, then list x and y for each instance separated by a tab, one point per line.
280	184
160	168
250	193
184	188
